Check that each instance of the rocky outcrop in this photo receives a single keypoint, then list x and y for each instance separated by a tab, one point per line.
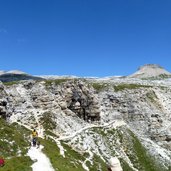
78	98
3	102
71	98
81	100
146	110
151	71
114	164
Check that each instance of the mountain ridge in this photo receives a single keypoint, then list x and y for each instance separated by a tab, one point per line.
154	71
84	122
76	115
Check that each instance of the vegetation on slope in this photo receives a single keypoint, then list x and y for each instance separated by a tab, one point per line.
152	96
14	144
122	139
99	86
69	163
159	77
73	160
11	83
56	81
121	87
47	121
140	157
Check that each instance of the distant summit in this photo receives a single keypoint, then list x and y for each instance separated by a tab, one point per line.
12	72
151	71
16	75
16	72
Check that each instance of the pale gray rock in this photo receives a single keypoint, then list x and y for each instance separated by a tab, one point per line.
74	104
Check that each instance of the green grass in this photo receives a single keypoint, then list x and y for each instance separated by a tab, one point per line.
11	83
47	120
152	96
125	165
17	164
69	163
56	81
160	77
138	155
72	160
99	86
121	87
97	164
14	144
145	161
14	138
125	139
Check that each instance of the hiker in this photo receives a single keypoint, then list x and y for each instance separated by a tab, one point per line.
34	137
114	164
2	162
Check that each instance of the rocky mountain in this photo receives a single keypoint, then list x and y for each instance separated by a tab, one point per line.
16	75
151	71
12	72
83	122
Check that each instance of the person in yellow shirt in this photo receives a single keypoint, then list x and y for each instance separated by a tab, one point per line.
34	137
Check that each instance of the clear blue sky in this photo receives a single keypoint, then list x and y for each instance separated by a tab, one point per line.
84	37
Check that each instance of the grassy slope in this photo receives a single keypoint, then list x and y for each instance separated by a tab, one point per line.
14	144
136	152
15	138
59	163
72	160
121	87
125	139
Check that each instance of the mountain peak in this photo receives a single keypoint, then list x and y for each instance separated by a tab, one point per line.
16	75
16	72
153	66
150	70
12	72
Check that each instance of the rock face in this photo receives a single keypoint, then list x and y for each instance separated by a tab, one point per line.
70	98
3	102
73	105
82	101
149	71
146	109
